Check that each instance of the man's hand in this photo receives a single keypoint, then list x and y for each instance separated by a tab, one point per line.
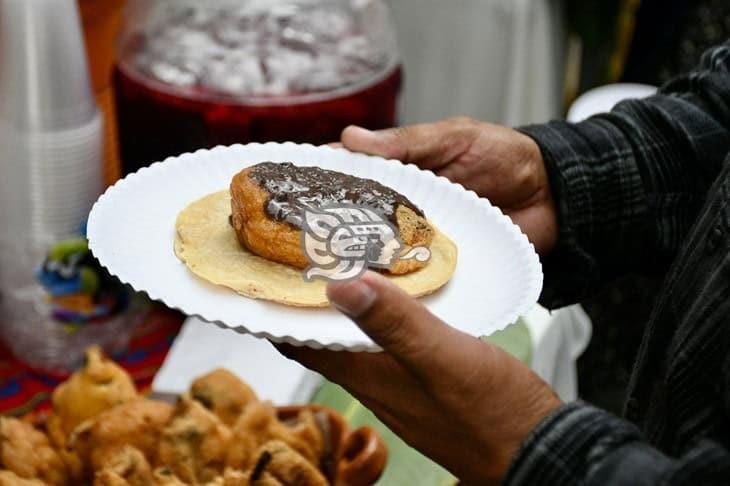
498	163
465	403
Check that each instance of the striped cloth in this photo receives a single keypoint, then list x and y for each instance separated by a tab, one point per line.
23	391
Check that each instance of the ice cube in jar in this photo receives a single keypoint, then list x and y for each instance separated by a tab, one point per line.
195	74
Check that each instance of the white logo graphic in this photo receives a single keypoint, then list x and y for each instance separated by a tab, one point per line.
342	241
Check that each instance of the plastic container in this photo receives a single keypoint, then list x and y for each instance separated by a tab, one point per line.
54	298
198	74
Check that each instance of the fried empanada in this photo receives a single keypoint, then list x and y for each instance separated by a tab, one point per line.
195	443
259	424
138	424
59	440
287	466
9	478
239	478
98	386
223	393
124	466
28	453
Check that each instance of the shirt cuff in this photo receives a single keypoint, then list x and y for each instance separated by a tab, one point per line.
601	205
563	449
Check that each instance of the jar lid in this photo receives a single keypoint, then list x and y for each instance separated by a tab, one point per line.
280	51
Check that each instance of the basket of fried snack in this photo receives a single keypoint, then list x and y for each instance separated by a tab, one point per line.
102	433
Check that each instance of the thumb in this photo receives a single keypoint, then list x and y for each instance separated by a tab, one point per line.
424	145
398	323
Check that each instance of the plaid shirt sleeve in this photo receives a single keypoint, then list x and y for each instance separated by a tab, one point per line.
629	183
581	445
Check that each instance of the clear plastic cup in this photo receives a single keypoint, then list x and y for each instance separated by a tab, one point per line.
51	159
44	81
49	183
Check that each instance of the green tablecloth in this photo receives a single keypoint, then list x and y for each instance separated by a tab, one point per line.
405	464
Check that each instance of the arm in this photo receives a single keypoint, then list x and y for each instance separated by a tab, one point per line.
599	198
629	184
579	444
481	413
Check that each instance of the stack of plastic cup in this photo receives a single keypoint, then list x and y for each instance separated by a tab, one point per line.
50	127
51	137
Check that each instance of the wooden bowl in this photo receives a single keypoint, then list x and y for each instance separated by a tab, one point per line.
351	457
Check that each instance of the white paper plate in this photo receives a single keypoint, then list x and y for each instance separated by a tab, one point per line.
131	230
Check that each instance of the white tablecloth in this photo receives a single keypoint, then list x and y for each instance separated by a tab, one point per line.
495	60
557	340
201	347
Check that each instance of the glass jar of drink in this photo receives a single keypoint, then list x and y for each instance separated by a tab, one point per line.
195	74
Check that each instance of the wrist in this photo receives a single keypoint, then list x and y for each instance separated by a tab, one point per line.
543	224
515	403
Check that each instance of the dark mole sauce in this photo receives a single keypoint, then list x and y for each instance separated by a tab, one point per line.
291	188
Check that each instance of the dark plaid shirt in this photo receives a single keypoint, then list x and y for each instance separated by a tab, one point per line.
646	188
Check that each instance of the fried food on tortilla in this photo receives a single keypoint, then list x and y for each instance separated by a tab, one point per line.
267	202
194	444
223	393
207	244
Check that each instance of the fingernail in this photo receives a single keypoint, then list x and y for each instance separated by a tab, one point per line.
363	132
353	298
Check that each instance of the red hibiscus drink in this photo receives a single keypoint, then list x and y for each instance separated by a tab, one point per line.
200	74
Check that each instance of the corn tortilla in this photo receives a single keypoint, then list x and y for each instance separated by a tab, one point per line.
207	244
